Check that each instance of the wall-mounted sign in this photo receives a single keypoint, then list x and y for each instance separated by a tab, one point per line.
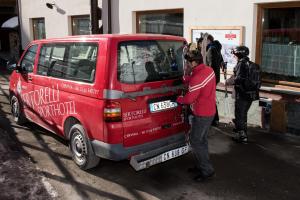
228	36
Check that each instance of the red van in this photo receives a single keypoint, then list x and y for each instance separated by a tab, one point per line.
110	96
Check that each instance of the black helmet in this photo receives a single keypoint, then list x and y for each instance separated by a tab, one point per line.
241	51
194	55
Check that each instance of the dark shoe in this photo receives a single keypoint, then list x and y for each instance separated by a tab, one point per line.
193	170
215	123
244	140
234	121
202	178
240	137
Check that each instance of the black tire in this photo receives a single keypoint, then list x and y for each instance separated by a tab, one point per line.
81	148
17	111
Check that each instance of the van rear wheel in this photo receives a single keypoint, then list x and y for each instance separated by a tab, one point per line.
16	110
81	148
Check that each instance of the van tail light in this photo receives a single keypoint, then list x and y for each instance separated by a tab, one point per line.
112	112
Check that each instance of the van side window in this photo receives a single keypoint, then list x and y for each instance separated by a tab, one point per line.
44	60
73	61
58	64
82	62
27	62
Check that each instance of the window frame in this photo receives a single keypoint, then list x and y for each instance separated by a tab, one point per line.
259	35
79	17
34	28
34	60
166	11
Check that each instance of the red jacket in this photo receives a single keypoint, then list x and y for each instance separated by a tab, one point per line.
201	93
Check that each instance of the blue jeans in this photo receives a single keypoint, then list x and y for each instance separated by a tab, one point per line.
199	144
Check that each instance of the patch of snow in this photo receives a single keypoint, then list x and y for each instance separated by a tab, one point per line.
50	189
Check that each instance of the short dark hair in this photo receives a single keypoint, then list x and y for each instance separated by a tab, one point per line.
199	40
210	37
194	55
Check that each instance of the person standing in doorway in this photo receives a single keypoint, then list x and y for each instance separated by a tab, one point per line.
214	59
246	82
201	97
199	43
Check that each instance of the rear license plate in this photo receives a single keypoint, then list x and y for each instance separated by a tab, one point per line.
162	105
174	153
159	158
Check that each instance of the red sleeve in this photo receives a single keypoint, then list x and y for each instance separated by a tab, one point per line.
193	91
195	88
186	79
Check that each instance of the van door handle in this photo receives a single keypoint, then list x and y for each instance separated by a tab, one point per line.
30	78
165	126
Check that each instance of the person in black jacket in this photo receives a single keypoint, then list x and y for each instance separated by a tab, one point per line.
215	60
242	99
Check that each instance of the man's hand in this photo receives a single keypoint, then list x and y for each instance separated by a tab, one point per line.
230	81
179	100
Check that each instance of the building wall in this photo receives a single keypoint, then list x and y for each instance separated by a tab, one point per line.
196	13
57	21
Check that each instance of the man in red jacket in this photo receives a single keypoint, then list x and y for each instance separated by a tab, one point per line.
201	97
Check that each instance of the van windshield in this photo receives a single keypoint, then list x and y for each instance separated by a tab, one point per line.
149	61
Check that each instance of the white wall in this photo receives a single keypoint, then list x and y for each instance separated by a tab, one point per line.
57	22
196	13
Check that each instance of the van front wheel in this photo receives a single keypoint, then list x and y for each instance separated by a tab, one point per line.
16	110
81	148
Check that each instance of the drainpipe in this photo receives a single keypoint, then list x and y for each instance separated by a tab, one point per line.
18	8
109	29
94	17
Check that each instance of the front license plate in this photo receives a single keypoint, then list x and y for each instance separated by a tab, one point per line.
162	105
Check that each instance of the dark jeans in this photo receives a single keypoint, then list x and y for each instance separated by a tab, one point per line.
241	110
199	144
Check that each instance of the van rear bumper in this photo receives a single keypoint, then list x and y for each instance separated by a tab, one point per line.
118	152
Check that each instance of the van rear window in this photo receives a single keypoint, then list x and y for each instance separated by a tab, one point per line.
149	61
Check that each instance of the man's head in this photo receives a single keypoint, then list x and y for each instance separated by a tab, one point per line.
171	53
194	57
210	39
240	52
199	43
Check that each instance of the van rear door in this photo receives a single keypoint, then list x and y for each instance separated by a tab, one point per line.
149	72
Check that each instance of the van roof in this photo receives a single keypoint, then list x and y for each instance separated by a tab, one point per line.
96	37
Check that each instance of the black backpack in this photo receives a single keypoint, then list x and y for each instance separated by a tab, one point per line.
253	81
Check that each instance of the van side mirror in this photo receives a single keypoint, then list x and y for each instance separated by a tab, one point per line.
11	65
23	68
18	68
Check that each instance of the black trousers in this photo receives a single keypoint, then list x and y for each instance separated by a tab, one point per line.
241	110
